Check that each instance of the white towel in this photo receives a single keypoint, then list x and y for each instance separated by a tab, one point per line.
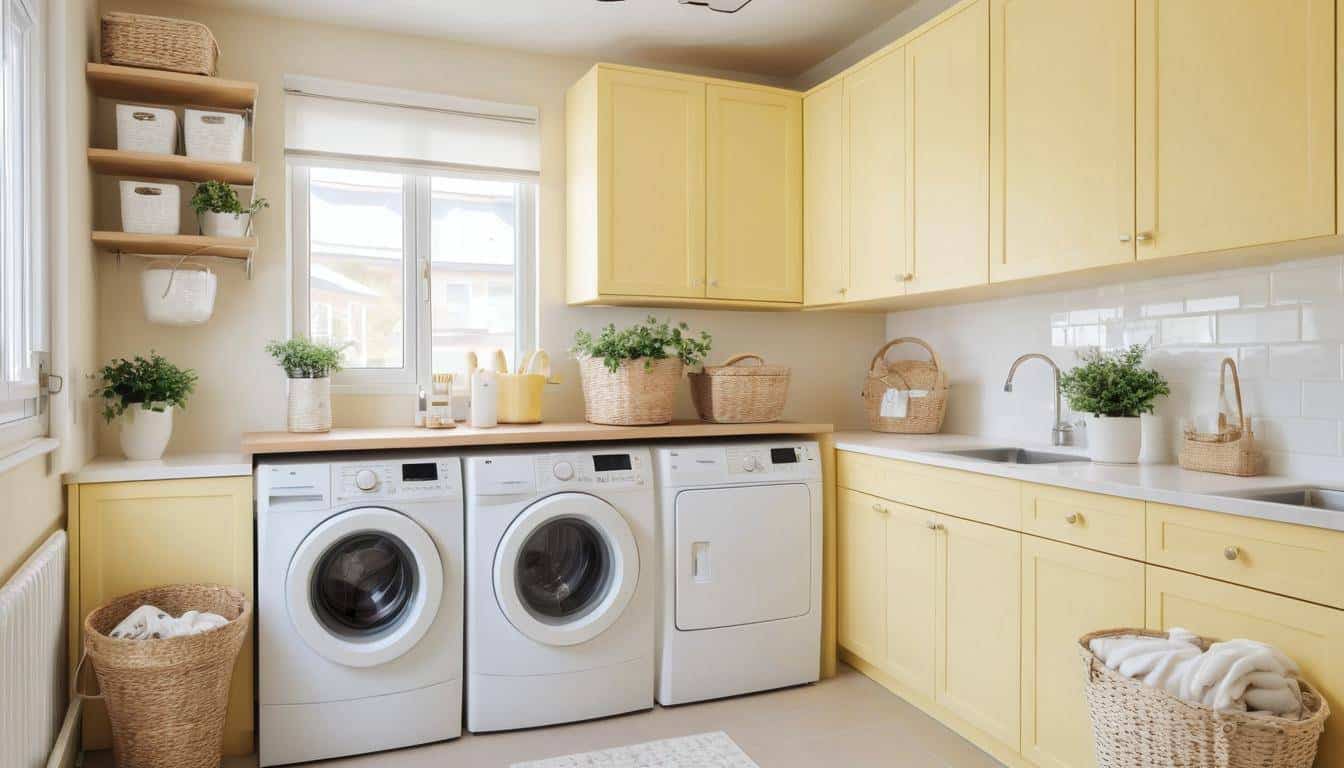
150	623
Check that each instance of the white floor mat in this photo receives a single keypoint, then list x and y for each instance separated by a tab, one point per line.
703	750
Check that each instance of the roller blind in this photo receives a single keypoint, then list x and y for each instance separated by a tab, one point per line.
328	118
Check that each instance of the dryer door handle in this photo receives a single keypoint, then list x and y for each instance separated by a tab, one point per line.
701	568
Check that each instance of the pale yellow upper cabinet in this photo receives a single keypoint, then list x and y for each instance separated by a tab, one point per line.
947	152
636	185
874	162
1236	123
826	245
1062	136
754	194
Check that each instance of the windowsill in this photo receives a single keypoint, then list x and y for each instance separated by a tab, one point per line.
40	446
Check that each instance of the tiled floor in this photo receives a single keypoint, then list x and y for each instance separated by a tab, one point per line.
845	722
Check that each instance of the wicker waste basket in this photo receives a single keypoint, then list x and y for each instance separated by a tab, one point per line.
167	698
740	394
1135	725
632	395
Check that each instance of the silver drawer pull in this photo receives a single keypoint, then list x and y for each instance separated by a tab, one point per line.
880	508
934	525
1232	553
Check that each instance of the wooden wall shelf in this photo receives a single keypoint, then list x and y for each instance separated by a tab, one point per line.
240	248
157	87
115	162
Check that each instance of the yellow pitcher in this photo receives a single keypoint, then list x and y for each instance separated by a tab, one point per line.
520	392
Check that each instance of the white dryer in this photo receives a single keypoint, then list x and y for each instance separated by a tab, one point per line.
560	586
740	538
360	603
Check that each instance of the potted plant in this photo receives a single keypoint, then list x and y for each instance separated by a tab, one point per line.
142	395
1113	390
630	376
220	211
309	367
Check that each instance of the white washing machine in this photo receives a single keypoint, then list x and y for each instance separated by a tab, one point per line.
740	542
560	586
360	602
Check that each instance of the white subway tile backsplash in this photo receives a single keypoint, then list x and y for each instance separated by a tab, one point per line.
1187	330
1323	399
1275	325
1314	436
1311	283
1303	361
1323	322
1265	397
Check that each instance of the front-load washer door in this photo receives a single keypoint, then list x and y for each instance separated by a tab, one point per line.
743	555
566	568
364	586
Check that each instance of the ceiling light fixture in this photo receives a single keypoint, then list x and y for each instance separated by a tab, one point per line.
722	6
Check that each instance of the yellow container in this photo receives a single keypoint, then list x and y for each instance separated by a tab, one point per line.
520	393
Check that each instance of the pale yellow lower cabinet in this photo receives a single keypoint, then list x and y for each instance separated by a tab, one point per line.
1067	591
861	577
131	536
911	551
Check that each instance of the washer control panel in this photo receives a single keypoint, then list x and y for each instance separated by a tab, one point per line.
408	479
739	462
596	470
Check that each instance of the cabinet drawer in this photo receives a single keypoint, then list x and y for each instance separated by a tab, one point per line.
988	499
1104	523
1293	560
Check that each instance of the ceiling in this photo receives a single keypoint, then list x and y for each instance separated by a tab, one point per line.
769	38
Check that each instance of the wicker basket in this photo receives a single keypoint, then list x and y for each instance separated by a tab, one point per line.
167	699
632	395
924	414
1229	451
158	42
740	394
1134	725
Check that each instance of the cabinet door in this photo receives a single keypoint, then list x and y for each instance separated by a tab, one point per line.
754	194
861	576
825	240
133	536
1067	592
947	153
911	547
1312	635
1062	136
978	590
1236	123
874	148
651	185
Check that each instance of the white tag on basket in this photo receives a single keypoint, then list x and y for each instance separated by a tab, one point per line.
896	402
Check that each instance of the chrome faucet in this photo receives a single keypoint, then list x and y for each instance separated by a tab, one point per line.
1061	433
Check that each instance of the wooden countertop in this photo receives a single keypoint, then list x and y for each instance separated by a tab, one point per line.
387	438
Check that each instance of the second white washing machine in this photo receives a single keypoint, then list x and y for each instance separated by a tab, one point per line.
739	608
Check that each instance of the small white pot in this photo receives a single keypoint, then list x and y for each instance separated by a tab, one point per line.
215	224
310	405
145	433
1113	439
1156	448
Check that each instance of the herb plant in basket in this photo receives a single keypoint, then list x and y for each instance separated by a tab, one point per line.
220	211
630	376
1113	389
141	394
309	367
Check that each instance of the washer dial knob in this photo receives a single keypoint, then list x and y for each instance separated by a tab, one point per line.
751	464
563	471
366	479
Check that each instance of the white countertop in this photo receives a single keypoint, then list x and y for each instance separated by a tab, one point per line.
1162	483
117	469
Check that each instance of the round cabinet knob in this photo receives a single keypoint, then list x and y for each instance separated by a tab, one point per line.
563	471
366	479
1232	553
1073	518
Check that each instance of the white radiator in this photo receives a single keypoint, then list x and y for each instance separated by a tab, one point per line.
32	656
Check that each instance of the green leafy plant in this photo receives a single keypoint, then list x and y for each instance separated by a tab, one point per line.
303	359
219	197
154	384
1114	384
651	340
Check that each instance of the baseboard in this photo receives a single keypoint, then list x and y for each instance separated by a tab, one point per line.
65	751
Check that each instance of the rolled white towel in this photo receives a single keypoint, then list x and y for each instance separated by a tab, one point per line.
151	623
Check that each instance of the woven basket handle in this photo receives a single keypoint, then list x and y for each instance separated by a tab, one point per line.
75	693
1231	365
735	359
881	355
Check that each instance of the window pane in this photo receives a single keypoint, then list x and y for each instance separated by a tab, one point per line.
356	265
474	247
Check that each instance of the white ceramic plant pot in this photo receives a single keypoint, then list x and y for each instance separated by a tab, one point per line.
145	433
1113	439
1156	443
310	405
215	224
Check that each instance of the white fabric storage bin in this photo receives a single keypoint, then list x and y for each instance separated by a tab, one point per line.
216	136
146	129
148	208
184	295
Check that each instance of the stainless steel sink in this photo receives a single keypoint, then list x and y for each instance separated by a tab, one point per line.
1320	498
1014	456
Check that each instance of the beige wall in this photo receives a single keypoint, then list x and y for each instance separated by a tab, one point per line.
242	390
896	27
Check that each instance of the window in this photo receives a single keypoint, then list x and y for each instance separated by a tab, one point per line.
410	269
23	301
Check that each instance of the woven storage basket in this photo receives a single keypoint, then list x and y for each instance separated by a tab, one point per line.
632	395
167	699
158	42
1137	726
1229	451
924	415
740	394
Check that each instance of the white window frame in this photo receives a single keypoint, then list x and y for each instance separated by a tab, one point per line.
417	296
25	322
